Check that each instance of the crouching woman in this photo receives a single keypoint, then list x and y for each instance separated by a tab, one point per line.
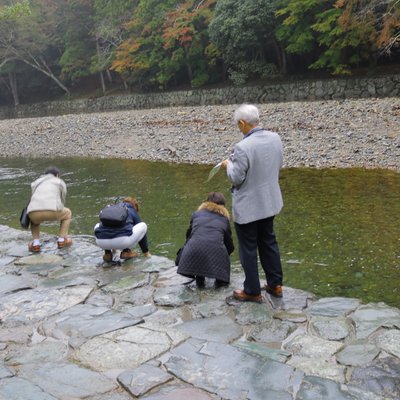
208	243
123	238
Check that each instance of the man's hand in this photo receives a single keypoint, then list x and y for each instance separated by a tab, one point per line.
224	164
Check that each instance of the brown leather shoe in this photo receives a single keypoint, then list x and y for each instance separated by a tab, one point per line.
34	249
241	295
126	255
276	291
107	257
66	243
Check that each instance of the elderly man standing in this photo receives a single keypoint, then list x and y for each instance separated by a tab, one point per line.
253	170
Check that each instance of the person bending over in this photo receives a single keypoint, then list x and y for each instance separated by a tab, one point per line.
47	204
208	243
125	237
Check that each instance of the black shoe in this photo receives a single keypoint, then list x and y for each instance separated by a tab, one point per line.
200	281
220	284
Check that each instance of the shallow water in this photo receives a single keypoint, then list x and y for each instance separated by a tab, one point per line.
339	232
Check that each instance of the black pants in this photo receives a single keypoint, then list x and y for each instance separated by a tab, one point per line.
259	235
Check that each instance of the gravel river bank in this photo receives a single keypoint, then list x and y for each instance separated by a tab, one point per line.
345	133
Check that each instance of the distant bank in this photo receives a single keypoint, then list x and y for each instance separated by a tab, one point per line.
301	90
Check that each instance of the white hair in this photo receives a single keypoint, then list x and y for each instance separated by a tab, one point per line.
247	113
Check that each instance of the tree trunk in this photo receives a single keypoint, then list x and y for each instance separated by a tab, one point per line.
103	85
12	77
45	70
281	57
109	76
188	66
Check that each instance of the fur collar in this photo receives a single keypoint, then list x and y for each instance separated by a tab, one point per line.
215	208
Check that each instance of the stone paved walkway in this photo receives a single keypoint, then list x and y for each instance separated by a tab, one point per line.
73	328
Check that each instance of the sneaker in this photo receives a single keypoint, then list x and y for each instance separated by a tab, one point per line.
107	256
241	295
65	243
276	291
34	248
127	254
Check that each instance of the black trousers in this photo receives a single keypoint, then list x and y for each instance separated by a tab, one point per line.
259	235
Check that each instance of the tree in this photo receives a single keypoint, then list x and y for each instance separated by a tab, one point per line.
110	18
27	36
340	33
244	31
185	36
382	16
140	57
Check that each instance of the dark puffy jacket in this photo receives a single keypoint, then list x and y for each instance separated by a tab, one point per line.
209	244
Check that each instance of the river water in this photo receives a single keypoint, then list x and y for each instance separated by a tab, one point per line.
339	231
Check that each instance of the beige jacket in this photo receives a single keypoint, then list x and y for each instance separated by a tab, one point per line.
48	194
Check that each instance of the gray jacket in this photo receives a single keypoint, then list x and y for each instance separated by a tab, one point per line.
253	170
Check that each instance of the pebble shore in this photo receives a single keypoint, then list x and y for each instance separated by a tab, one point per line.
322	134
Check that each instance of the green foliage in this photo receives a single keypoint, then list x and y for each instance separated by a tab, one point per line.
160	44
297	20
243	30
15	11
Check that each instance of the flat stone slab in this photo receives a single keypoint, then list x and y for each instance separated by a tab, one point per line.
357	353
126	348
331	328
18	389
180	392
175	296
292	298
318	367
333	306
155	264
370	317
291	316
38	304
87	321
389	341
253	313
13	283
16	334
217	329
230	373
142	379
266	352
381	377
312	347
274	332
128	282
47	351
5	260
170	277
5	372
64	380
313	388
39	259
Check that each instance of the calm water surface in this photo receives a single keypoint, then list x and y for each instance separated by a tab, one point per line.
339	231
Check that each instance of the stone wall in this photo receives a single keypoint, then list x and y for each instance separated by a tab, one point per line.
386	86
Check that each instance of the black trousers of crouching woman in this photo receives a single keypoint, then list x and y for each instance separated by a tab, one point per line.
259	235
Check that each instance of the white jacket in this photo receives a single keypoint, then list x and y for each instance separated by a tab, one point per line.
48	194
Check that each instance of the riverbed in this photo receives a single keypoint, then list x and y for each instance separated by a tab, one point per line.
323	134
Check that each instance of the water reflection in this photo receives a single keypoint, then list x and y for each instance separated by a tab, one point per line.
339	231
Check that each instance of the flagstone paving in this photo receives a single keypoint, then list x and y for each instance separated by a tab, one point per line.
72	327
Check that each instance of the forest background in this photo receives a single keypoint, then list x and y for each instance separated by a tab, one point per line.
51	49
